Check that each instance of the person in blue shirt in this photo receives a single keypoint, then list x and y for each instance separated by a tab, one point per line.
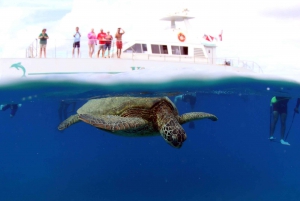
279	108
76	43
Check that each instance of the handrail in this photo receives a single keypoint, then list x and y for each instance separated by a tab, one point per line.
237	62
63	49
250	65
31	50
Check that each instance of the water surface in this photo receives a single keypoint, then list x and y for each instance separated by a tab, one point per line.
231	159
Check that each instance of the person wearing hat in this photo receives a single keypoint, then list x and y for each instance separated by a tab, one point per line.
43	42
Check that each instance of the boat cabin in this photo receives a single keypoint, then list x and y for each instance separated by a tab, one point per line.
172	44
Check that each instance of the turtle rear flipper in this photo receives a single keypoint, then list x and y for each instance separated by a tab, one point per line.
191	116
114	123
68	122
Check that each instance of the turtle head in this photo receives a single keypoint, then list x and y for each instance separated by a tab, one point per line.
167	123
173	133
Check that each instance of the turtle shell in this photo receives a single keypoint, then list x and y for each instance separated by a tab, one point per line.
124	106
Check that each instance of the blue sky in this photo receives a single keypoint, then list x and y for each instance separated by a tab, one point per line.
267	32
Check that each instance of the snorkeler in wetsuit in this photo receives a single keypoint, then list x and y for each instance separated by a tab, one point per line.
63	109
279	108
188	98
13	108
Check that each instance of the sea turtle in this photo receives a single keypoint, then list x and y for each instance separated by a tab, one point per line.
136	116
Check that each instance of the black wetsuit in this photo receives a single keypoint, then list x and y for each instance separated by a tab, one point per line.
192	100
13	108
281	104
189	98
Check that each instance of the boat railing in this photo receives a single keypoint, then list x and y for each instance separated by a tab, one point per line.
32	49
63	49
237	62
233	62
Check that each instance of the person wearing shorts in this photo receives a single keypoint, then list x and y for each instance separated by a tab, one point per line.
43	42
279	108
76	43
92	42
118	36
119	44
101	37
108	40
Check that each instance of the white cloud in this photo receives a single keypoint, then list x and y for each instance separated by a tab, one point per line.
248	31
20	24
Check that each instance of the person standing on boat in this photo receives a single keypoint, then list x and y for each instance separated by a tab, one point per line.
92	42
43	42
119	44
279	108
108	39
76	43
101	37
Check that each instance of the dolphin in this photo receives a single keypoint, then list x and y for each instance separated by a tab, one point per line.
19	66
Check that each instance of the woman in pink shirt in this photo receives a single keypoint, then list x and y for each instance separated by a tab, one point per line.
92	42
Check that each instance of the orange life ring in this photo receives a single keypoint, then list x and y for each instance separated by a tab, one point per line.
181	37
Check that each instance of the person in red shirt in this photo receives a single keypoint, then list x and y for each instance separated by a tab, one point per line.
101	37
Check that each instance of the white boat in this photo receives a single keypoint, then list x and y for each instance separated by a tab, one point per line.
174	48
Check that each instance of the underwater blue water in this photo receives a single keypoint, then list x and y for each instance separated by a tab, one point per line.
231	159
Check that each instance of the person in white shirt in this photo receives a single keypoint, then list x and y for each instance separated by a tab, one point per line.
76	43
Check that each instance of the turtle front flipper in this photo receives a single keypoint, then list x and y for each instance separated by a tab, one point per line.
68	122
114	123
191	116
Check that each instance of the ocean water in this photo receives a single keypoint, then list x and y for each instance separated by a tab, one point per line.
230	159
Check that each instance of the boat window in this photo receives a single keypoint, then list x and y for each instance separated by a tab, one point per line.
155	49
136	48
179	50
144	47
184	50
175	50
163	49
159	49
